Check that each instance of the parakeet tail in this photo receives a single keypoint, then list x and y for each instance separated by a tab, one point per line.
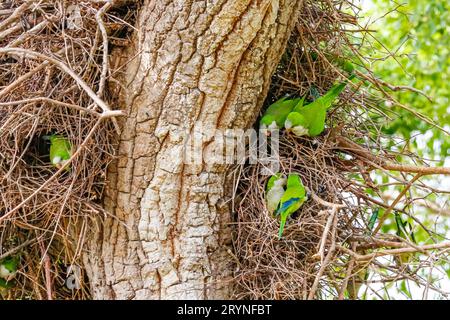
280	231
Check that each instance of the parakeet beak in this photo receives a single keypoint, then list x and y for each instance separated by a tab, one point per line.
45	138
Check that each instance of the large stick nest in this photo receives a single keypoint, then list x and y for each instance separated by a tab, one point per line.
318	255
39	204
56	76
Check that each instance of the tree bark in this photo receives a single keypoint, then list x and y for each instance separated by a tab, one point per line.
191	61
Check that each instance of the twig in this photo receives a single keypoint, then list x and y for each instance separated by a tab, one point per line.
425	203
392	87
15	249
325	262
370	256
40	26
366	156
16	14
47	269
394	203
57	173
320	252
51	101
105	64
65	68
323	202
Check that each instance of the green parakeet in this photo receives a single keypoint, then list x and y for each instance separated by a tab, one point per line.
291	201
8	268
404	230
276	113
274	191
60	150
310	119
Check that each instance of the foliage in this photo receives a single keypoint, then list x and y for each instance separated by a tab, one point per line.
408	47
412	50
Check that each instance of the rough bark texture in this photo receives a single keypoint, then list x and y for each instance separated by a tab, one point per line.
208	61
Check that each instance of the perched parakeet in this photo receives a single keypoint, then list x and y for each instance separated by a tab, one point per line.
310	119
276	113
8	268
274	191
292	200
373	219
404	230
60	150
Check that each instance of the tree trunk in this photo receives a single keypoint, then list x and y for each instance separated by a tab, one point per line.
191	61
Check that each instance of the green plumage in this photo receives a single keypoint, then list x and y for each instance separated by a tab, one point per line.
291	200
8	267
60	150
310	119
373	219
276	113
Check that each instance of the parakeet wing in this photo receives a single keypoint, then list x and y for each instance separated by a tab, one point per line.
295	190
411	234
285	205
291	200
60	147
280	109
315	112
299	104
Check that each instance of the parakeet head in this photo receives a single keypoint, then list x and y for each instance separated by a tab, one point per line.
294	180
294	119
55	137
268	122
297	123
277	179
